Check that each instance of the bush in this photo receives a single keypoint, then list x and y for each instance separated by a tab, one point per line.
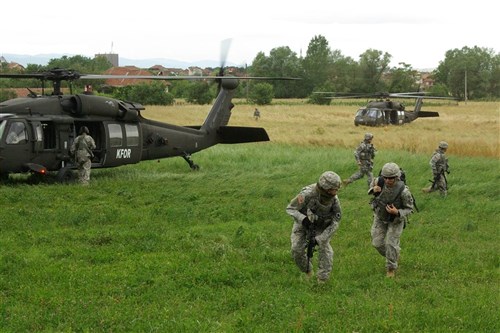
199	93
6	94
261	94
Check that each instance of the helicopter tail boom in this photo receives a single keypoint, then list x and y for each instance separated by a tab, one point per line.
425	114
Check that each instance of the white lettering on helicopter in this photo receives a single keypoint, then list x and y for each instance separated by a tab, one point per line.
123	153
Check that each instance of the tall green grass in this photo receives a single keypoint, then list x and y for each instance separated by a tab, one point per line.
155	247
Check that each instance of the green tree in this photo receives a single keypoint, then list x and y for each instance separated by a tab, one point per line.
317	63
343	72
261	93
402	79
145	93
476	68
282	62
372	64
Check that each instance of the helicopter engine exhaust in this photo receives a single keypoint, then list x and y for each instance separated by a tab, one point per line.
84	105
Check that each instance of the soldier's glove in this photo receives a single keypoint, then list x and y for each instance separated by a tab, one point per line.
306	223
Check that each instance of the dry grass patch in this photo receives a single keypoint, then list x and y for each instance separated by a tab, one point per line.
471	129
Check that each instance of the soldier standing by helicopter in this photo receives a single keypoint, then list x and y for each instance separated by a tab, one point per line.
316	213
439	165
364	154
81	149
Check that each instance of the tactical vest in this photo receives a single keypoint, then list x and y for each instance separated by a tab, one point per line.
325	213
367	153
389	195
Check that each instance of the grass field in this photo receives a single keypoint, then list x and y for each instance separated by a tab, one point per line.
155	247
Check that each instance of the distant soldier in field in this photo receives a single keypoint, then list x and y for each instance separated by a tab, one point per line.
316	214
81	149
439	166
256	114
392	203
364	155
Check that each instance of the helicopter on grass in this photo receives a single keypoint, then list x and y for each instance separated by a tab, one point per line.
46	125
383	111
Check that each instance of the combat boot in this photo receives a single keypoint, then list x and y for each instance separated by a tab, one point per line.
427	190
391	273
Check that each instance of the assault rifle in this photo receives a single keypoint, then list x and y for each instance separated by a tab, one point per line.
436	179
311	244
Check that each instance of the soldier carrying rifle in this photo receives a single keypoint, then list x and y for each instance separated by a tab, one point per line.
439	165
364	155
316	214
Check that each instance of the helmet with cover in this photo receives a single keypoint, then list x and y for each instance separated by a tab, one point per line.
443	145
390	170
329	180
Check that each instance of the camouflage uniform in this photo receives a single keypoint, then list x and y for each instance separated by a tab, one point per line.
364	154
439	165
81	149
321	210
387	228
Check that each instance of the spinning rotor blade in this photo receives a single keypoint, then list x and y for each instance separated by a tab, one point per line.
224	50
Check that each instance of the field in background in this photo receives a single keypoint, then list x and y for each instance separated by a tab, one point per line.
471	129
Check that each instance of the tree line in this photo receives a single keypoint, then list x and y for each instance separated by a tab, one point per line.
469	73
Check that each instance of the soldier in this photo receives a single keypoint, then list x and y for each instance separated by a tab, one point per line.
256	114
81	149
316	214
439	165
364	154
392	204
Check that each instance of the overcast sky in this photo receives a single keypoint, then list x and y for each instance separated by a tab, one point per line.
414	32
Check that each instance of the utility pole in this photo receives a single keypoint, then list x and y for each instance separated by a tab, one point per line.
465	86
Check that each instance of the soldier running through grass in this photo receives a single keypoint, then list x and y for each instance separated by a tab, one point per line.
315	209
364	155
439	165
392	204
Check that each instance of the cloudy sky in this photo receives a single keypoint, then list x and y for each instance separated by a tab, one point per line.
414	32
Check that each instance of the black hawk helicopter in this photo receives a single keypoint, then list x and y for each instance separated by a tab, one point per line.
383	111
45	127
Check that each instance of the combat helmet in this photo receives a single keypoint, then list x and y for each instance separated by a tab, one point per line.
443	145
390	170
329	180
368	136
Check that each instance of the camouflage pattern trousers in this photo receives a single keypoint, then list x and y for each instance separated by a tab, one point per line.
364	169
299	252
440	185
385	238
84	172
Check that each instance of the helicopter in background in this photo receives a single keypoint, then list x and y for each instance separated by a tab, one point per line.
383	111
46	125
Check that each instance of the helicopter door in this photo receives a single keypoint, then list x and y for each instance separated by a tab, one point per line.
122	143
15	144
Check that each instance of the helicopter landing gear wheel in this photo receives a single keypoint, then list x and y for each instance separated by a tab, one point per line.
65	175
192	165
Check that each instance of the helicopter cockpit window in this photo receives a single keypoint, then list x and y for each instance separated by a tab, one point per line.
374	113
115	135
361	112
16	133
132	134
